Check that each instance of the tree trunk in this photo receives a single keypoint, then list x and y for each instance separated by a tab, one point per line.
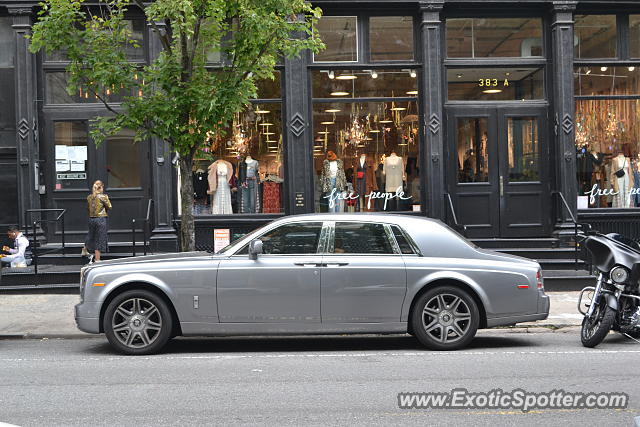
187	228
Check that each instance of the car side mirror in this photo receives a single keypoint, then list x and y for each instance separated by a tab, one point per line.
255	248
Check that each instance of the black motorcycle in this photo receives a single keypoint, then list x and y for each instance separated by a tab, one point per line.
614	303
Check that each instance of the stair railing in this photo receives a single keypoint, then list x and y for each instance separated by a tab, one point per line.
576	225
38	222
145	229
457	226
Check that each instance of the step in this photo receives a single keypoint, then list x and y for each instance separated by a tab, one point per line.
540	253
77	259
567	280
497	243
113	246
49	274
562	264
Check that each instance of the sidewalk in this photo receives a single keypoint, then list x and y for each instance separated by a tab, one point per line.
51	316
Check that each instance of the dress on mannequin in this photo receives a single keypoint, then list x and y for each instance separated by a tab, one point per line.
365	181
621	184
394	173
333	177
220	178
249	182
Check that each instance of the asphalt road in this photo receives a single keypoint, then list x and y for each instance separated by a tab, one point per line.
306	381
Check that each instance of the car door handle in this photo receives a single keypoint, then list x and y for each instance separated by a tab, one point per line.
337	264
308	264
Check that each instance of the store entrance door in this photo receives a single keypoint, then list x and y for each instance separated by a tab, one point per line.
498	174
121	164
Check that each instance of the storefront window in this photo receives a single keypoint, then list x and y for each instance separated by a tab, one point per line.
56	92
7	84
596	36
634	36
495	84
242	172
71	140
494	37
339	34
605	80
366	156
608	153
123	161
365	83
391	38
134	48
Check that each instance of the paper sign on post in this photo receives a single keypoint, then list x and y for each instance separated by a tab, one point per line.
221	238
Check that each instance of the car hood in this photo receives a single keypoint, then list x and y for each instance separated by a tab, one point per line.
156	258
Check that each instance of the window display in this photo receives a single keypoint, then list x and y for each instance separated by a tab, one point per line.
242	172
367	156
608	153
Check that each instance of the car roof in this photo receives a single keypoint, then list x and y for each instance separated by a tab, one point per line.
362	216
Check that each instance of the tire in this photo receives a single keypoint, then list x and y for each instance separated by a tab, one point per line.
593	331
445	318
138	322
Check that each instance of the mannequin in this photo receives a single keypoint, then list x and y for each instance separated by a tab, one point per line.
220	179
249	181
333	179
622	185
365	180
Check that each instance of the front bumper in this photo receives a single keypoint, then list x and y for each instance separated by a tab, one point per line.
87	315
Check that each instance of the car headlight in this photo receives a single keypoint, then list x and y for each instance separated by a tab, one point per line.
619	274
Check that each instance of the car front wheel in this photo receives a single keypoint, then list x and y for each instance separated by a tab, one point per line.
137	322
445	318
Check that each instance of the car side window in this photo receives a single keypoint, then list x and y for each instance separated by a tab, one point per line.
290	239
403	243
361	238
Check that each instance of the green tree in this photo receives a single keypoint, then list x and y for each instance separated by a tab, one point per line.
177	97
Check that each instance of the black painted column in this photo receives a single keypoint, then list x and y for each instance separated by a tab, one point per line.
27	152
432	101
163	187
299	170
563	103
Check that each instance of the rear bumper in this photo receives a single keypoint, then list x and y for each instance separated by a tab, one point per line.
543	313
87	317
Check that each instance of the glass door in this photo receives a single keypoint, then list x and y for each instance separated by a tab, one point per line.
498	179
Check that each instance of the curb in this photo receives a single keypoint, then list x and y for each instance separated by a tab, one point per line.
529	329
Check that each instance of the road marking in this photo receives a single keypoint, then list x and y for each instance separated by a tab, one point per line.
323	355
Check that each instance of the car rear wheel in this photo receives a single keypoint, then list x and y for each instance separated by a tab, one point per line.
445	318
137	322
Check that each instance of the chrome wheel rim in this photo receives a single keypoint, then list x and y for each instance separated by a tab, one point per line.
136	323
446	318
593	323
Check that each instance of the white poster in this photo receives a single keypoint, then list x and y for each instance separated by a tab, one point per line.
77	166
81	152
221	238
62	152
62	165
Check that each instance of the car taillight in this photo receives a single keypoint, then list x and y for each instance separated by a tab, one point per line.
540	280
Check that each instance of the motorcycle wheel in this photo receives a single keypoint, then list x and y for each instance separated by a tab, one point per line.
596	327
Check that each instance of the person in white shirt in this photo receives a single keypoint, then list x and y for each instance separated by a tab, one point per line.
17	253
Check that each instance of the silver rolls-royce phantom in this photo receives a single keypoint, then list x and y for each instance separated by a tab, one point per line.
315	274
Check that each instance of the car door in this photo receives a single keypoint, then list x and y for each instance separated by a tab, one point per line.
281	286
363	276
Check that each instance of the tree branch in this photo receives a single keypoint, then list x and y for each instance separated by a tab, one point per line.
163	37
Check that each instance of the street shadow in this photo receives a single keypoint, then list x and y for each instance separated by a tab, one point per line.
324	343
